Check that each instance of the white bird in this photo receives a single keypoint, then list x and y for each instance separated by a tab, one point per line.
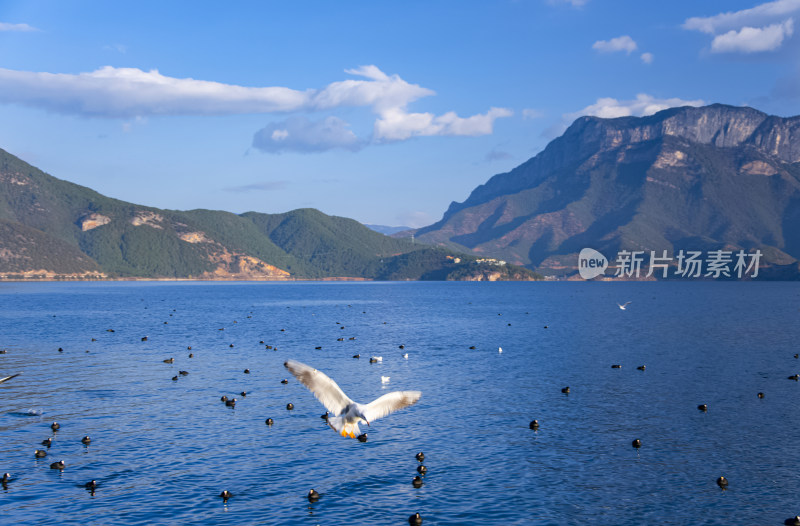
622	307
9	377
405	356
500	350
385	379
346	414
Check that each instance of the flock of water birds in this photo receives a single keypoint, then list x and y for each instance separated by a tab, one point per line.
342	414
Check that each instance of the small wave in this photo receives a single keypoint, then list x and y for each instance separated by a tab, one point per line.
27	412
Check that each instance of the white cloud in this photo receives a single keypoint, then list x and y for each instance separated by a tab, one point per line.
5	26
647	58
622	43
130	92
125	92
298	134
641	106
753	39
111	92
759	15
395	124
761	28
530	113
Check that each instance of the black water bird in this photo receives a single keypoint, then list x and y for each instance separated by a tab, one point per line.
47	442
417	482
420	456
637	443
223	398
91	485
40	453
534	424
565	389
421	469
226	495
415	520
641	368
231	402
169	360
284	381
57	465
86	440
362	438
55	426
703	407
313	496
290	406
722	482
247	371
269	421
761	395
792	521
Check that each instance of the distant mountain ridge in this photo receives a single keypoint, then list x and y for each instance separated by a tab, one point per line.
693	178
54	229
388	230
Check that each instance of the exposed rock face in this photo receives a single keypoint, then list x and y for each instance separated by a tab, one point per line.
151	219
195	237
241	267
693	178
93	221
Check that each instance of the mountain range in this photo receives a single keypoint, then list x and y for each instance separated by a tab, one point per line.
690	178
54	229
706	178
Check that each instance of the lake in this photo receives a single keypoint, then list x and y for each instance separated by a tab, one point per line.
162	450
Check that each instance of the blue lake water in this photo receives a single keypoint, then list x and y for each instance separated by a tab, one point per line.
163	450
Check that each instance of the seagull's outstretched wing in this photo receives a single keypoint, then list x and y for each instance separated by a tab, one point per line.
325	389
9	377
389	403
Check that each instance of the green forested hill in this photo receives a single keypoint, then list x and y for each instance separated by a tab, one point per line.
59	229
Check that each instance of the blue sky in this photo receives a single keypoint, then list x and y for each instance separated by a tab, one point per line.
382	112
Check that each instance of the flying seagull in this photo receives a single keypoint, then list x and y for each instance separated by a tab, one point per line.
346	414
7	378
622	307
